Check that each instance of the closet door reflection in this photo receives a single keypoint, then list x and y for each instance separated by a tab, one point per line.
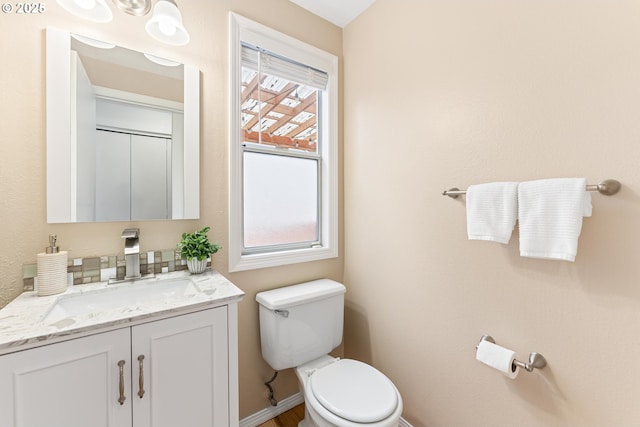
130	179
149	180
113	176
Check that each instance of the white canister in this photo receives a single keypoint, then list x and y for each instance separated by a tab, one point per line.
52	270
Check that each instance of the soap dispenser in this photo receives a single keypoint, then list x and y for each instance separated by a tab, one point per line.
52	269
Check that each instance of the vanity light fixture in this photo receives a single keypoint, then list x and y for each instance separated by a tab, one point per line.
92	10
165	24
133	7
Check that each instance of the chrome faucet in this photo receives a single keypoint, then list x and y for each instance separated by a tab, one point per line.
131	252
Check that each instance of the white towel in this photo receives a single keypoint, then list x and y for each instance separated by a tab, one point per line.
550	215
491	211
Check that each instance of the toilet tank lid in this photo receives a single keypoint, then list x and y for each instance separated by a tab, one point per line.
289	296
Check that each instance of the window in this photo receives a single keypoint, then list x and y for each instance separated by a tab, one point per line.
283	153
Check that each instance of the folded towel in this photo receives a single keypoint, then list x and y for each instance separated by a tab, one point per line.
550	215
491	211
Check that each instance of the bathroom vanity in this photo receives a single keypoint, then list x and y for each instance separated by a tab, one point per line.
164	355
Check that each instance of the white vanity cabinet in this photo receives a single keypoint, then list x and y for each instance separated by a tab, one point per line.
72	383
178	371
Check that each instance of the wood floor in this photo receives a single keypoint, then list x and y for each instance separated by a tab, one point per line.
291	418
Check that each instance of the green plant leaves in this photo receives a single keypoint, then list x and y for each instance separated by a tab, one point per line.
197	245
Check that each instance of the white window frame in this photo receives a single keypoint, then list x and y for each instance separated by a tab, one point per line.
248	31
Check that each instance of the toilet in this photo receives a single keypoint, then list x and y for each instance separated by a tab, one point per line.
299	326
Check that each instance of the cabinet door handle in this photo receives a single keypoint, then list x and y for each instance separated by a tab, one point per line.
122	398
141	376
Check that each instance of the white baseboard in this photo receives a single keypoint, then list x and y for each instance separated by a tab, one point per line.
283	406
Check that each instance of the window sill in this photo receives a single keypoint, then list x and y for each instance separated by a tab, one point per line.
275	259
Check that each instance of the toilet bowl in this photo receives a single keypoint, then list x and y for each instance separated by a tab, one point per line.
299	326
347	393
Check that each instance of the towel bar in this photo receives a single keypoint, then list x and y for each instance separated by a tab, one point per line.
608	187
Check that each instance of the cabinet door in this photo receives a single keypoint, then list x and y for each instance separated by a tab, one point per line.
185	371
69	384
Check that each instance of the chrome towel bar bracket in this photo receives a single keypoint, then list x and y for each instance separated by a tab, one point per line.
608	187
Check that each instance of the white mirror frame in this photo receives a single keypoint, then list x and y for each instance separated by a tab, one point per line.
58	105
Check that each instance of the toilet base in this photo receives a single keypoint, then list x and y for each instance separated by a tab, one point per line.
313	421
306	422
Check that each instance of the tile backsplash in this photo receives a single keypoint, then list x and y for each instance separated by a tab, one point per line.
102	268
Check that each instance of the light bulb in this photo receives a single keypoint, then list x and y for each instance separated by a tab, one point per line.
167	27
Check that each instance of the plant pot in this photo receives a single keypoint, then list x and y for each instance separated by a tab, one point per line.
196	266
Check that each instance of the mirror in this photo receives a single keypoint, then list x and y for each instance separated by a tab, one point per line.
122	133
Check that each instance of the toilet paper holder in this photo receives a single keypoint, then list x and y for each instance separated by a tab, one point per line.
536	360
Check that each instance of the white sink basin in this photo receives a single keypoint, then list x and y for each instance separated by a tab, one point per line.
123	296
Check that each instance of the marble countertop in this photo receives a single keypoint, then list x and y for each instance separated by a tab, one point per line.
24	321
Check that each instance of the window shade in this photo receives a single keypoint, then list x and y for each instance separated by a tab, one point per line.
253	57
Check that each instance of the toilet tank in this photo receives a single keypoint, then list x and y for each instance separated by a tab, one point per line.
300	323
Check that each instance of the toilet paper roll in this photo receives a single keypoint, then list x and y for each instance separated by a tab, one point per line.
52	273
497	357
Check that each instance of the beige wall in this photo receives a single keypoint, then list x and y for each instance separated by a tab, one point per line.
23	226
444	93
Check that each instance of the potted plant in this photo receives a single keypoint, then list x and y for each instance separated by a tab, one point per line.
196	248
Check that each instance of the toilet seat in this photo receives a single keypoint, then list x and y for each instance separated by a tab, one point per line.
354	391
